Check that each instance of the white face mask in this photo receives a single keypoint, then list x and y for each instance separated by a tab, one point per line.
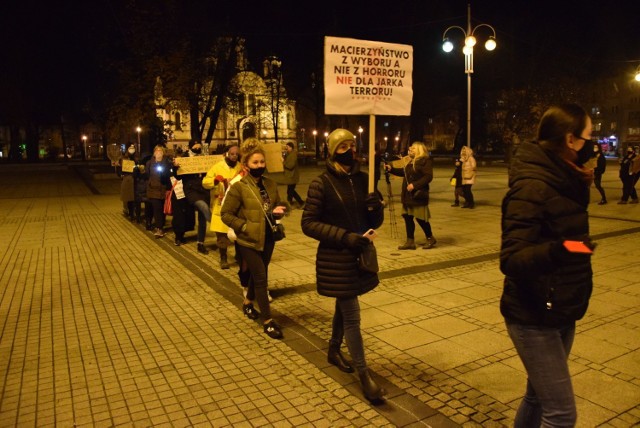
131	151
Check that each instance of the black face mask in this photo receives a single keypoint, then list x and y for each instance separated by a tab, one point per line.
197	151
257	172
345	158
231	163
585	153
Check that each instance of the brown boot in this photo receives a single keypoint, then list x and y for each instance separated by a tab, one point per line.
224	264
409	245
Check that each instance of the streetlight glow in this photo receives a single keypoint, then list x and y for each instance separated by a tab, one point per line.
469	42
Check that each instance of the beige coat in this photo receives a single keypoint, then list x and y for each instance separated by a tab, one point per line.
468	166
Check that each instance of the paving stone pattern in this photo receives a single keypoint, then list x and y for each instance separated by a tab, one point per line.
103	325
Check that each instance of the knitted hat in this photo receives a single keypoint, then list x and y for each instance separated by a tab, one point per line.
339	136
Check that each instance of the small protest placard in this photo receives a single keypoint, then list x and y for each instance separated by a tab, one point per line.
197	164
274	157
128	165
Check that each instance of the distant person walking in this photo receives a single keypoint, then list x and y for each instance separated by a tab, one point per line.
627	178
468	175
158	173
337	214
548	276
291	175
457	189
598	171
417	174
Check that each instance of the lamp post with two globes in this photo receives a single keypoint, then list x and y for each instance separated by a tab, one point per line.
469	43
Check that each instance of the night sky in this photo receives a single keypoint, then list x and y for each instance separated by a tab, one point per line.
49	47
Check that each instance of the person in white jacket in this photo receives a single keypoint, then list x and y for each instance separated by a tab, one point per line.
468	175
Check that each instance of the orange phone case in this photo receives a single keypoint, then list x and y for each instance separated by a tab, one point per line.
577	247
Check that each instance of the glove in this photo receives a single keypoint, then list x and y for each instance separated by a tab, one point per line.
353	240
373	202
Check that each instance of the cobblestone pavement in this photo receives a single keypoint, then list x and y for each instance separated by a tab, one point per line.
102	325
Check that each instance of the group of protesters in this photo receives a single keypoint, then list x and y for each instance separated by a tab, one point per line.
540	243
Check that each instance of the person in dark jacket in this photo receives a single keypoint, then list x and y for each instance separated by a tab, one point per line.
158	173
417	174
337	213
598	171
547	283
127	187
627	178
197	196
291	175
457	191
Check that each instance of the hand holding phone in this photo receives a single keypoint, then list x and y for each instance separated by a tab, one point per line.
577	247
370	234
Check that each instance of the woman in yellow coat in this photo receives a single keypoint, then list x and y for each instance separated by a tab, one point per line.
217	179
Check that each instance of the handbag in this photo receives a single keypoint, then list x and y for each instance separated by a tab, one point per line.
277	229
420	195
368	260
167	203
168	209
368	257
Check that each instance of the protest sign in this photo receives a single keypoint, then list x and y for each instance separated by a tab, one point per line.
367	77
196	164
127	165
273	152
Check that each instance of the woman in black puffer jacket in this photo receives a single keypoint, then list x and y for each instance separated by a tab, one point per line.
337	213
547	286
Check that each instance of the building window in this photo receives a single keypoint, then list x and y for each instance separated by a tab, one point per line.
597	126
178	122
252	104
242	105
614	126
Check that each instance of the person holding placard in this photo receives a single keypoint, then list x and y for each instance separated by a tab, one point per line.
217	180
127	187
251	208
196	194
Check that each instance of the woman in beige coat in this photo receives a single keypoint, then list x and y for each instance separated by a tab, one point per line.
468	175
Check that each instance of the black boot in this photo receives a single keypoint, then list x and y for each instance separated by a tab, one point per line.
202	249
224	264
335	357
372	391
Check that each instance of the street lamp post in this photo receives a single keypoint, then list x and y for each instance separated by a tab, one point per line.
138	130
360	145
326	142
469	43
315	143
84	147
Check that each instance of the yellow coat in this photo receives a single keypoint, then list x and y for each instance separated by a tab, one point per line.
217	191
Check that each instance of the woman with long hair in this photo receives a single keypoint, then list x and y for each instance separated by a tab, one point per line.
546	259
417	174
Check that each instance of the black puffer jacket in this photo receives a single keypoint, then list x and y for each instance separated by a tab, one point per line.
545	205
328	218
420	175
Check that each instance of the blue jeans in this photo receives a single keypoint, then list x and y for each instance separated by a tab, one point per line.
204	215
549	400
346	324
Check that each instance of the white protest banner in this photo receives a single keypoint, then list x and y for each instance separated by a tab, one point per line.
273	152
197	164
367	77
127	165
